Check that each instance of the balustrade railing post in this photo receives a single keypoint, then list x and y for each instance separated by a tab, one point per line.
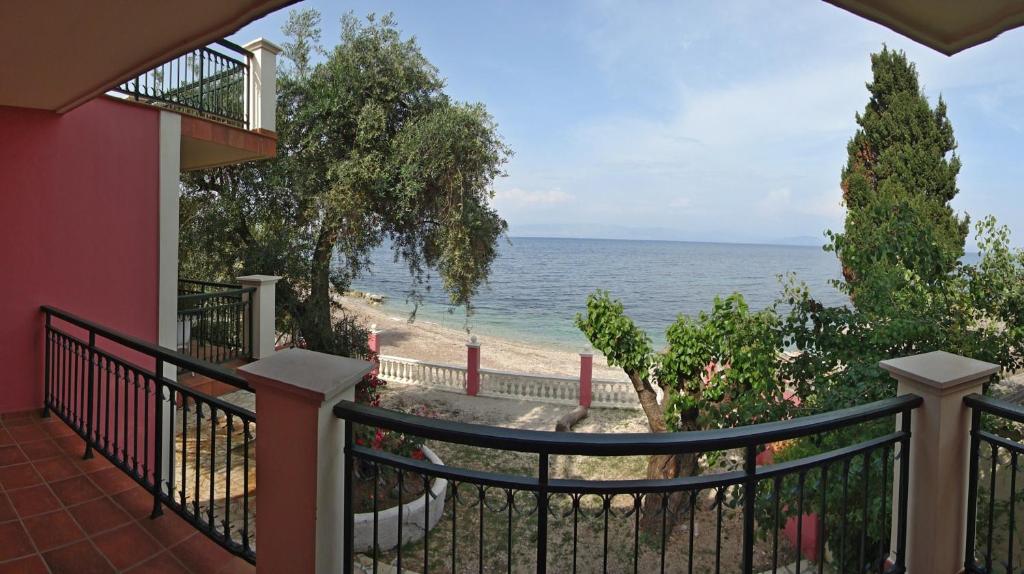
472	366
90	382
262	86
263	315
373	342
586	377
303	521
936	475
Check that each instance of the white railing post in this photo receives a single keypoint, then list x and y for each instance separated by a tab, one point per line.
261	92
263	313
373	342
301	518
939	448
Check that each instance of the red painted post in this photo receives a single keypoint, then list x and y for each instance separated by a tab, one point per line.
373	341
472	367
586	376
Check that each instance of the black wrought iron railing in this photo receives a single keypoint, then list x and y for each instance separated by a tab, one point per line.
193	452
214	320
994	503
513	497
211	82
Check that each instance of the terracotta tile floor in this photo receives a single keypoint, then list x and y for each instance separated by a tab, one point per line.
61	514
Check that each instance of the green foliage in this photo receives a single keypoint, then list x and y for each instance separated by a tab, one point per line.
897	184
901	251
612	332
718	370
724	364
370	151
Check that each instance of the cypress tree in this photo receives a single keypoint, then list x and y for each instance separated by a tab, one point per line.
898	181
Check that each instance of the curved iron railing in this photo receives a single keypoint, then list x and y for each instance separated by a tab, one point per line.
571	524
193	452
992	544
211	82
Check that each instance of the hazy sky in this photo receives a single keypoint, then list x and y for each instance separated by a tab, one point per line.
717	121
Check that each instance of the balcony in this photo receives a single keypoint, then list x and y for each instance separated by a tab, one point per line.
226	95
211	82
129	466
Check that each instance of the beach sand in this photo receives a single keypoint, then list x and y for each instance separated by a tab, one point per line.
428	341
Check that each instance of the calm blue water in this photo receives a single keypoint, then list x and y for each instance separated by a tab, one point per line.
537	285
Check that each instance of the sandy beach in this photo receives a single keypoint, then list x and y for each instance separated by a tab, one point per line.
428	341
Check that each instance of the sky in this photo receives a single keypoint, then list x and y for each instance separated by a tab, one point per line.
698	121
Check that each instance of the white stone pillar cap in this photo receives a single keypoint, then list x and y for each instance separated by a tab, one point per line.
473	342
262	44
939	369
587	351
318	377
257	279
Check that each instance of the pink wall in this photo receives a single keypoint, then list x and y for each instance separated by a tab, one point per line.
79	199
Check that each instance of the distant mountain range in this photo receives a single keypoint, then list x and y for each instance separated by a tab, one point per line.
603	231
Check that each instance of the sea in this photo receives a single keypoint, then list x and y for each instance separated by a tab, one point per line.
538	285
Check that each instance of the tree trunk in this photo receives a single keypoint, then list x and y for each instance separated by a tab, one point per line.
663	466
315	321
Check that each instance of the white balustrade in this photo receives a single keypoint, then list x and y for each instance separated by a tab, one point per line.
522	386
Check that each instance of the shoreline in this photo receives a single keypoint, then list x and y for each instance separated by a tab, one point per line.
429	341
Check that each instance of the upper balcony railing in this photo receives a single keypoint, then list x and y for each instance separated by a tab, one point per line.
211	82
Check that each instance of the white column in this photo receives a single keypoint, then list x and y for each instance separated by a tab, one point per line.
167	253
261	92
264	314
169	177
939	451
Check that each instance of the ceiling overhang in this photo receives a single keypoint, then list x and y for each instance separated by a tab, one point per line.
206	144
948	26
58	54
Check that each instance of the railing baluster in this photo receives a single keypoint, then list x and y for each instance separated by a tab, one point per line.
401	487
47	382
158	442
882	538
349	500
749	500
245	487
542	514
690	533
994	449
776	522
213	467
903	498
1013	510
801	478
719	503
864	514
972	489
822	518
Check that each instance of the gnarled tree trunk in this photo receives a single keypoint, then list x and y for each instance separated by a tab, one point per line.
663	466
